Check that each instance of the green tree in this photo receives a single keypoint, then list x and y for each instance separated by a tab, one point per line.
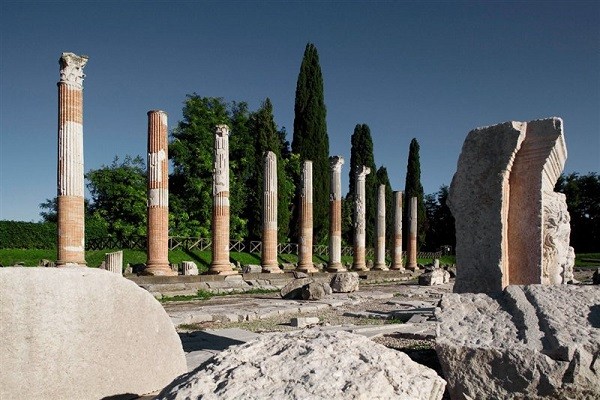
413	188
361	153
310	138
383	179
118	196
267	138
583	203
440	229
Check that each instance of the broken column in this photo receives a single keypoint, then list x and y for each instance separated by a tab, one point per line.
189	268
220	264
380	231
397	250
305	263
335	215
359	263
70	184
515	230
411	255
269	231
158	196
114	262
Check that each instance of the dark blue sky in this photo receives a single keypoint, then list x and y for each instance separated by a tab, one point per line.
428	70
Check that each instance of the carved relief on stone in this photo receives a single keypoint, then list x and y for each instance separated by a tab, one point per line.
71	69
556	249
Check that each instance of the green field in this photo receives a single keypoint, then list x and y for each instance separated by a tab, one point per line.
94	258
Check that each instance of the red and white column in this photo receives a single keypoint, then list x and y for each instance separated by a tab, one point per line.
380	231
70	183
269	231
359	262
397	250
305	263
335	215
412	242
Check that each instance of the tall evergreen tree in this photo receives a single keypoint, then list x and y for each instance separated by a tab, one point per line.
361	153
310	138
267	138
383	179
413	188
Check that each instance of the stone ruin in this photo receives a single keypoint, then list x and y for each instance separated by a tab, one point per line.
511	227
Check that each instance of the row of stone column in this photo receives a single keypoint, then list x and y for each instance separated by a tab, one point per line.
71	214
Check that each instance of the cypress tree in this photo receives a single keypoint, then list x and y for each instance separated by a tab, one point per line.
413	188
310	140
361	153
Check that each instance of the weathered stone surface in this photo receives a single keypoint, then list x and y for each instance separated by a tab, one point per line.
308	364
189	268
316	291
345	282
82	333
360	175
252	269
303	322
511	227
436	276
293	290
533	342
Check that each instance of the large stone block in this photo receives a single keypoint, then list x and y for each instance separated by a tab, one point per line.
532	342
308	364
81	333
511	228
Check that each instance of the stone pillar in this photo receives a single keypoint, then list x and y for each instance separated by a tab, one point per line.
359	263
380	244
335	215
70	188
189	268
220	222
397	250
269	231
411	256
158	196
305	263
114	262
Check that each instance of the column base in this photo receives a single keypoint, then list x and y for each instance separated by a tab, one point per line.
221	269
412	267
271	269
359	267
159	270
397	267
60	264
307	269
380	267
336	267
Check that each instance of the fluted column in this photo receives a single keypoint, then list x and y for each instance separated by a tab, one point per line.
158	196
397	250
114	262
305	263
335	215
380	231
411	255
269	231
359	263
70	185
220	222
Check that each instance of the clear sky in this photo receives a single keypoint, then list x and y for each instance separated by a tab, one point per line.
428	70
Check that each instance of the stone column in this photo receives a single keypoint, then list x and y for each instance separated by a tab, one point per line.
411	255
380	244
269	231
305	263
158	196
70	189
189	268
359	263
397	250
220	219
114	262
335	215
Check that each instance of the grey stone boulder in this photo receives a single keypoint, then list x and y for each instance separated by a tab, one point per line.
436	276
293	290
531	342
252	269
345	282
82	333
316	291
308	364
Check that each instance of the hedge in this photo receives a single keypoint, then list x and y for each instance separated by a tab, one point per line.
39	235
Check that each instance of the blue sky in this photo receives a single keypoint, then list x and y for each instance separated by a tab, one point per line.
428	70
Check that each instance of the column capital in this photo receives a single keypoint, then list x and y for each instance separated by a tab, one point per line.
362	171
336	163
71	69
222	130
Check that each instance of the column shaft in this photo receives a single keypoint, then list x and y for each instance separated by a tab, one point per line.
412	243
305	263
158	196
359	262
397	250
269	231
380	244
335	215
70	182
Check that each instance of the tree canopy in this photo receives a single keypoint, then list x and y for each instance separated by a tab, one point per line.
414	188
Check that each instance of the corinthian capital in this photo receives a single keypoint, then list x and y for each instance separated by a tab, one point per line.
71	69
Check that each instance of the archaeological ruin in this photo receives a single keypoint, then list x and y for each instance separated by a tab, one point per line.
397	250
305	240
359	263
335	216
269	231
